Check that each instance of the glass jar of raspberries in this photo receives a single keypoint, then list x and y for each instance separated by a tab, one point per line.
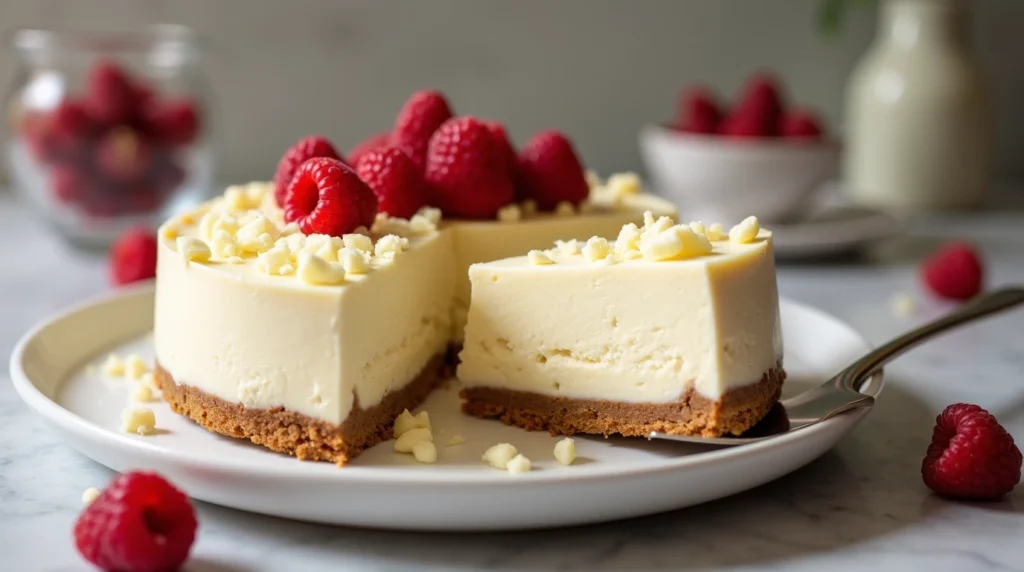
108	131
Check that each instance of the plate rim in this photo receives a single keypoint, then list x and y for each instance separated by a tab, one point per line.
67	420
809	240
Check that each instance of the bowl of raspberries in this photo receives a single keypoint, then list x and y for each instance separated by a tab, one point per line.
108	131
761	155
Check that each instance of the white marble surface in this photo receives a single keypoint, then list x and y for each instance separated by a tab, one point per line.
862	506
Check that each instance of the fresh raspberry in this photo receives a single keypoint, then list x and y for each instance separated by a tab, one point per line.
70	184
173	122
971	456
398	184
102	206
422	114
63	136
133	256
508	152
71	121
306	148
110	95
122	155
954	271
550	171
742	125
140	523
142	199
465	170
327	197
762	99
698	112
800	124
144	93
374	142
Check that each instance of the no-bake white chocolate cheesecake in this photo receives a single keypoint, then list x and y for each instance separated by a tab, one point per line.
312	344
671	328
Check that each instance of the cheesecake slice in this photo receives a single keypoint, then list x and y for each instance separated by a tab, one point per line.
312	345
307	345
483	241
671	328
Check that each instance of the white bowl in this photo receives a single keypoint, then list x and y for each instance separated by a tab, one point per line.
718	179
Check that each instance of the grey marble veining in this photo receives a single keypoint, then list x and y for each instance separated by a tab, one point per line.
861	506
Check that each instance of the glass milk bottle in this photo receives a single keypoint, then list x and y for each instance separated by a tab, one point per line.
918	121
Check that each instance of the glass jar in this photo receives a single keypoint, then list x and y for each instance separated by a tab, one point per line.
109	131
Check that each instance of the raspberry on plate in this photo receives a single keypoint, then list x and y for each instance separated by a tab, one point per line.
698	112
800	124
466	172
306	148
372	143
133	256
327	197
971	456
110	97
419	118
550	172
398	184
140	523
954	271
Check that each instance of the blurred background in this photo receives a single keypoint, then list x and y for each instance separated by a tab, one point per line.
923	96
598	69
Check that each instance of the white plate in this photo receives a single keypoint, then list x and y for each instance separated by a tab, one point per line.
612	479
833	229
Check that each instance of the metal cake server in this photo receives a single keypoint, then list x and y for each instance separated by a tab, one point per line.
841	393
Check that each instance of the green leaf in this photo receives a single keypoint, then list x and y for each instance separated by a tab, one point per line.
830	16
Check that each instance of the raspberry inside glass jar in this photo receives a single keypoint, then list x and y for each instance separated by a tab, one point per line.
109	131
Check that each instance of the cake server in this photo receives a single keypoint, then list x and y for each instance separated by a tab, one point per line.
841	392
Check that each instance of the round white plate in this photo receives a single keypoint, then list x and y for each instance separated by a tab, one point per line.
612	478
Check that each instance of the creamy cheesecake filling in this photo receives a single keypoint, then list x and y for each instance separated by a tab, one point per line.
243	327
484	241
627	329
232	330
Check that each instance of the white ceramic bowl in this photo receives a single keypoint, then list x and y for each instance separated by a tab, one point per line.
717	179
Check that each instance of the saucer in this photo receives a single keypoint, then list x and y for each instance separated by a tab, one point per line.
833	228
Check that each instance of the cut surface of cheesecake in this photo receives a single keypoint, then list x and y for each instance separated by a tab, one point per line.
312	345
484	241
671	328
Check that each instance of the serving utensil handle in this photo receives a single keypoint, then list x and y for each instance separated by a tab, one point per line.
841	392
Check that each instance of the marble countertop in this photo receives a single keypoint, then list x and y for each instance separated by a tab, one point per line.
861	506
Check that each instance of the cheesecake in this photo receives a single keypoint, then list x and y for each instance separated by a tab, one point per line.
670	327
311	344
611	204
